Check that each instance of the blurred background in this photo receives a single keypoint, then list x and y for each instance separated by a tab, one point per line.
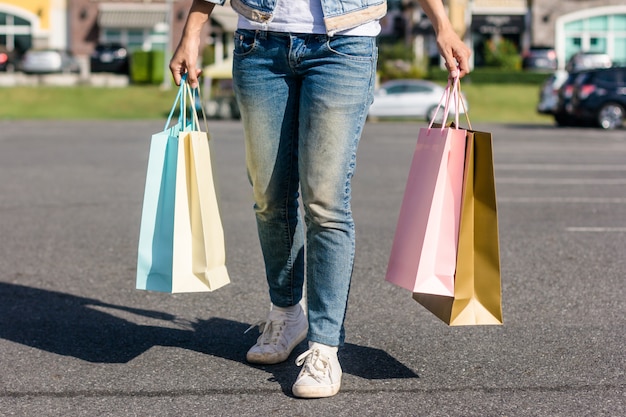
558	62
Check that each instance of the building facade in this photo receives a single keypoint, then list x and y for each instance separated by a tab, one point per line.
78	25
492	20
581	25
137	24
26	24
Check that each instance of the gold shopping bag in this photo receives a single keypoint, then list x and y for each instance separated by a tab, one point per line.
477	287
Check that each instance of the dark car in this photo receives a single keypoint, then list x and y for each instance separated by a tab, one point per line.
563	114
7	59
110	57
540	59
599	97
549	92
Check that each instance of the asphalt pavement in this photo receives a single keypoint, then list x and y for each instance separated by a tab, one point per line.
77	339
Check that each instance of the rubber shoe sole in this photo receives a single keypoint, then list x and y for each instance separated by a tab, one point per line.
315	391
272	358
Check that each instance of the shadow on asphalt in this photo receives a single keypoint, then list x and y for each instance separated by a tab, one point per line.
83	328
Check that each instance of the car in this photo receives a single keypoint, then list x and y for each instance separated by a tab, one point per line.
563	115
540	58
7	59
588	60
42	61
110	57
549	92
599	97
409	98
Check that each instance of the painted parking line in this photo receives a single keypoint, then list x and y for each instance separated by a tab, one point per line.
561	167
562	181
568	200
596	229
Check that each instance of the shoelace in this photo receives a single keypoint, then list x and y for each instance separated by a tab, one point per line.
316	365
270	331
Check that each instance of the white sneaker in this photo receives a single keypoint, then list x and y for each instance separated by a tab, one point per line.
321	373
280	334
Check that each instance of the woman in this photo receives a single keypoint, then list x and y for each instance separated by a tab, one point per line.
303	74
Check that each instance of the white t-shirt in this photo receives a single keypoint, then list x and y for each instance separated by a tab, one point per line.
304	16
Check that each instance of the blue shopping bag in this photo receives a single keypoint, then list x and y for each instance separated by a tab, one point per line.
184	254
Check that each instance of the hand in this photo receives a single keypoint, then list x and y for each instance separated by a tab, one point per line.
455	53
185	57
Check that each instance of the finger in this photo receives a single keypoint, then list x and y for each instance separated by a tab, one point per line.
463	66
464	60
176	72
192	77
451	66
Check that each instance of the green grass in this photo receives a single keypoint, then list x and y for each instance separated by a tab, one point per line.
65	103
504	103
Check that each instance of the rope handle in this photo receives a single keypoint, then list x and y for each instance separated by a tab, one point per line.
186	98
452	91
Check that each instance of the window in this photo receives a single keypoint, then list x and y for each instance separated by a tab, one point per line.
18	21
15	32
598	24
396	89
597	45
619	22
604	33
606	76
135	39
417	89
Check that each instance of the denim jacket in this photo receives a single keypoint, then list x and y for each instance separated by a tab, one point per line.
338	14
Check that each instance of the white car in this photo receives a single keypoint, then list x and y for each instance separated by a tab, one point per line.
410	98
42	61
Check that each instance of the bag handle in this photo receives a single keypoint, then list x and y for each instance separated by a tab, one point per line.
179	96
459	98
189	104
190	95
451	92
185	93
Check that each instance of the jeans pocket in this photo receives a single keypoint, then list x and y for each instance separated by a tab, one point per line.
361	48
245	42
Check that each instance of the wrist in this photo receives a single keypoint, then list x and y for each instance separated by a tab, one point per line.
198	15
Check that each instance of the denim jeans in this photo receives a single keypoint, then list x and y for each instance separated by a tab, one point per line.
304	100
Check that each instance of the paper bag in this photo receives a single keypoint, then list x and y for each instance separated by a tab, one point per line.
181	240
423	254
477	296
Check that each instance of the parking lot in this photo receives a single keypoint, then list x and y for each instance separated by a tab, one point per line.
78	340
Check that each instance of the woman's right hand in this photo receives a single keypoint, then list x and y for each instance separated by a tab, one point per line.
185	56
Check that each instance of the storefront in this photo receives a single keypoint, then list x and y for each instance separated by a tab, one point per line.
600	29
492	27
137	26
26	24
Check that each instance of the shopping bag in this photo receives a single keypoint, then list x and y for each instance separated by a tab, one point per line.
477	296
423	254
181	239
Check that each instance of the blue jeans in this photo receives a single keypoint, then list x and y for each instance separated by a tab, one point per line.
304	100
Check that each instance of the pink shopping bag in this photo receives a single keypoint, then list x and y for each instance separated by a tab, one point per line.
424	251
